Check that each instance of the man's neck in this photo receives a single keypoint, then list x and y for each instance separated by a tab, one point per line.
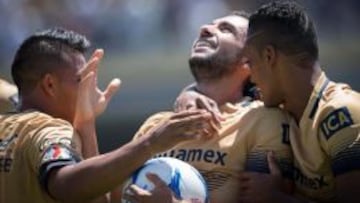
299	89
227	89
32	101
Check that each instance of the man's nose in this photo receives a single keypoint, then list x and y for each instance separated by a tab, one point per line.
207	31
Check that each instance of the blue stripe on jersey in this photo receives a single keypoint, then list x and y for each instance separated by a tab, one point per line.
257	162
347	160
318	97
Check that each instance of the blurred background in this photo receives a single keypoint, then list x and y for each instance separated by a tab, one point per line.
147	44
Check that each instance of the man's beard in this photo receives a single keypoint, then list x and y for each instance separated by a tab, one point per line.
214	66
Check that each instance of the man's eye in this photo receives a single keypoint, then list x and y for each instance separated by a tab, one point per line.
225	29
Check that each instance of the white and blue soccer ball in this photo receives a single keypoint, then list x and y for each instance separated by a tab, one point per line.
184	180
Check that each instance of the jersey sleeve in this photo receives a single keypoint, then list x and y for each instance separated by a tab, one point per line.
151	122
53	144
272	129
339	128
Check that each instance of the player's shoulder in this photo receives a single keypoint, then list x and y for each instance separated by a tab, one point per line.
258	110
339	108
340	99
33	119
38	118
340	94
158	117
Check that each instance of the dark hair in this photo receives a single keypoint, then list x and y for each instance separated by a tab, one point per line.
286	26
42	52
241	13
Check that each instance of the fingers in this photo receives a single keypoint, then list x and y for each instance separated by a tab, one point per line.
112	88
156	180
273	166
134	189
87	82
199	126
91	66
191	124
93	63
211	107
182	104
135	194
185	114
99	53
193	121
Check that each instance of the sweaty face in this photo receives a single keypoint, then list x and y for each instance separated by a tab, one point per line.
218	47
69	79
263	73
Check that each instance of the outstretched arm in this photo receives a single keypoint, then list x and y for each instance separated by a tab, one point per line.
95	176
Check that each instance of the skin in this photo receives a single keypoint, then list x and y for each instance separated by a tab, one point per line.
273	72
227	34
225	89
72	94
287	81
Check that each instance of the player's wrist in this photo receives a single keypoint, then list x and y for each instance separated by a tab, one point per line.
84	127
146	146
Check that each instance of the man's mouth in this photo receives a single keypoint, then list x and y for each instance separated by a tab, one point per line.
206	43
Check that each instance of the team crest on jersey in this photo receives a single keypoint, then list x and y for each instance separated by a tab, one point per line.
53	141
56	152
336	121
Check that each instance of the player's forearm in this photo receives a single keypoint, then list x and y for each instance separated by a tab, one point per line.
96	176
89	143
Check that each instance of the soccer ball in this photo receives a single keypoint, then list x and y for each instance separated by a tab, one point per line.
183	179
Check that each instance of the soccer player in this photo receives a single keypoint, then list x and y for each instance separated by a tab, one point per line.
283	55
8	96
247	130
48	148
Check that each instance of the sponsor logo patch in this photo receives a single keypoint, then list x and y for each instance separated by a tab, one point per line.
335	121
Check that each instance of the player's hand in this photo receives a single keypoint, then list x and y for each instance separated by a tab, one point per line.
91	101
183	126
161	192
190	99
262	187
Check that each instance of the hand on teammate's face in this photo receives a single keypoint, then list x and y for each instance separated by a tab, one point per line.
91	101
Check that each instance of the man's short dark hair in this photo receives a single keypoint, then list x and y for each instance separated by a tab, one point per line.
42	52
241	13
286	26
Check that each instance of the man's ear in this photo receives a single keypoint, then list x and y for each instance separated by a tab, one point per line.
270	55
245	69
48	85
